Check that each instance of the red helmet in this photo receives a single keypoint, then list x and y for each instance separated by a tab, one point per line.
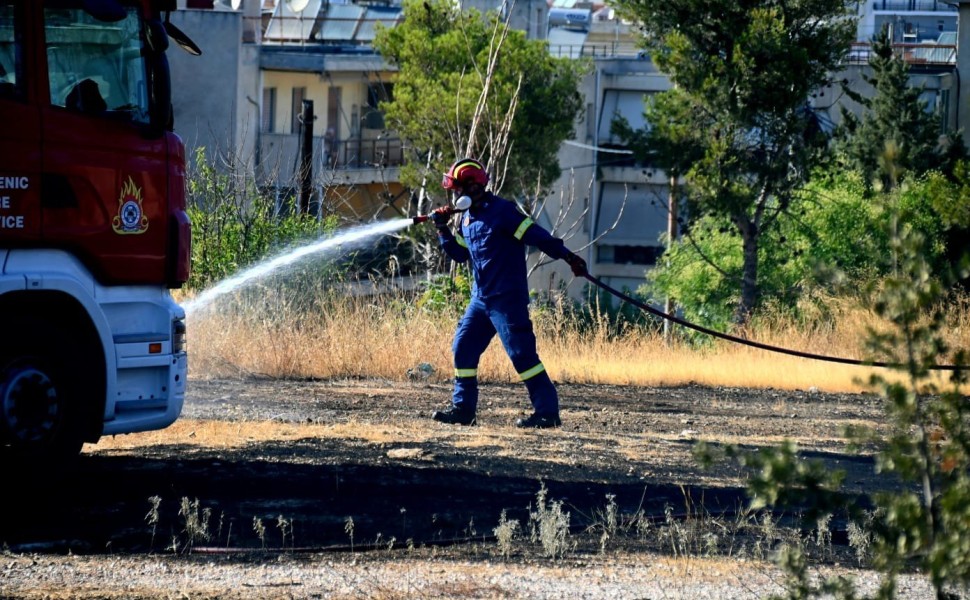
466	170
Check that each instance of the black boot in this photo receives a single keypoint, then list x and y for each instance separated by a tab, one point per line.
538	421
454	416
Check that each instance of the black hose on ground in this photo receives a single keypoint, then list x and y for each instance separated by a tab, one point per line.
753	344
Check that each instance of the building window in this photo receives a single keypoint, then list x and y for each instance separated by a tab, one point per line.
379	92
626	103
12	84
269	110
373	117
943	109
299	95
628	255
633	217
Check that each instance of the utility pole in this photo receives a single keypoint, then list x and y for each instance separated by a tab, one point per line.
963	64
669	305
305	175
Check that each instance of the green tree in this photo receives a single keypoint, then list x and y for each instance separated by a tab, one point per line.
896	136
468	85
832	242
923	519
949	198
737	117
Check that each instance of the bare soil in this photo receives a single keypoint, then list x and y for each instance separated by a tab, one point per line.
358	465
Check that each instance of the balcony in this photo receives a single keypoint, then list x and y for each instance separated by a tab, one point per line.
601	37
363	153
913	6
355	160
914	54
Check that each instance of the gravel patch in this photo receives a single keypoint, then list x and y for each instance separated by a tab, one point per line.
326	576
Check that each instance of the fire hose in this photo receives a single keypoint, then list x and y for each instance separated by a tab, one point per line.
738	340
461	205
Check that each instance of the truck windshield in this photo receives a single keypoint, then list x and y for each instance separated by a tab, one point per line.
96	67
11	61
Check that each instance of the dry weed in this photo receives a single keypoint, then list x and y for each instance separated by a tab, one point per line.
387	337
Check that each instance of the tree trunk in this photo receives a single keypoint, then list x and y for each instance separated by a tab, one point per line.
749	273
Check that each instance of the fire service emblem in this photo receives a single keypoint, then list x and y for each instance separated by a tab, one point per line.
131	218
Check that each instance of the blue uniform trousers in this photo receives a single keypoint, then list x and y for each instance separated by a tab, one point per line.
509	317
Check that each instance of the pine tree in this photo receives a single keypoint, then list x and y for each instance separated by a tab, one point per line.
896	136
736	124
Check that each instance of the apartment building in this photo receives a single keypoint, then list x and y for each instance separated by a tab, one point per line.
264	65
265	58
909	21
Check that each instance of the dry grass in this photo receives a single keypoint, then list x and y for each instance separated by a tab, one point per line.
280	336
231	435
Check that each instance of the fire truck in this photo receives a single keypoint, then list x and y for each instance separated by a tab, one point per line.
93	228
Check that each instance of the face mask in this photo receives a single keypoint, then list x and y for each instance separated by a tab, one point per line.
463	203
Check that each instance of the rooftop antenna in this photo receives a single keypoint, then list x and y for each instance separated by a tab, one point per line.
298	6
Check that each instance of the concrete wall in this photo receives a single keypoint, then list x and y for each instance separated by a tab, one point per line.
216	95
353	96
530	16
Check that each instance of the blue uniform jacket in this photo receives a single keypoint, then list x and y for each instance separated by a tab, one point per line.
494	234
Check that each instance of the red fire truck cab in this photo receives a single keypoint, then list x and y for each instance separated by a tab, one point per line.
93	227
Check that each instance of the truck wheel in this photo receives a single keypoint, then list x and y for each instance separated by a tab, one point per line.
39	416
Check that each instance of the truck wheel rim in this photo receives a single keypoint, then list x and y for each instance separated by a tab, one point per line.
30	408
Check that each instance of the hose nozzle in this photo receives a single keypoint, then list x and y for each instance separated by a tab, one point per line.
423	218
463	203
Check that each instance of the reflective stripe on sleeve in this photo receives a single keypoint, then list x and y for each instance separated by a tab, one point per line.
521	230
466	373
525	375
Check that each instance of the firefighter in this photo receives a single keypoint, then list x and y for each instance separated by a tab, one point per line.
494	233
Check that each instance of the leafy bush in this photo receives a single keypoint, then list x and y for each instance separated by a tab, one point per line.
446	293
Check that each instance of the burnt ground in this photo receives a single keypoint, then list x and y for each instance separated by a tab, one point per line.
305	458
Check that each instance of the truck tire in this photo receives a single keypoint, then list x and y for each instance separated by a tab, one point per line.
40	399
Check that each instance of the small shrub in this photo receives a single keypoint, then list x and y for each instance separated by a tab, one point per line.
860	540
609	521
286	528
235	224
447	294
823	534
505	534
349	530
260	530
195	522
549	525
152	517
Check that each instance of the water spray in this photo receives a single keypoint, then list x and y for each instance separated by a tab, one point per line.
343	241
326	245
